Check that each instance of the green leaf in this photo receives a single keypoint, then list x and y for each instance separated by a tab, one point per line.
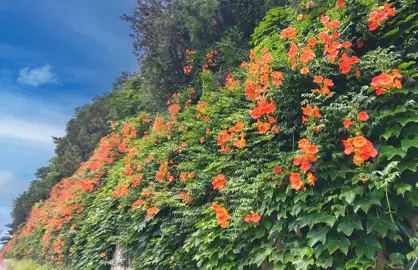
405	120
396	258
413	197
367	248
391	152
380	224
409	165
302	263
366	202
259	232
341	244
391	33
405	65
410	130
407	143
350	193
349	223
267	223
402	188
313	219
317	235
393	130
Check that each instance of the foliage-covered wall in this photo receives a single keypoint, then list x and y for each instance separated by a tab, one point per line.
306	158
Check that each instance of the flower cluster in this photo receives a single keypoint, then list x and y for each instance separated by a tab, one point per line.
219	181
308	155
324	85
295	180
151	212
385	82
363	149
361	116
230	82
189	59
222	214
234	132
265	108
260	74
253	217
288	33
379	16
210	60
310	113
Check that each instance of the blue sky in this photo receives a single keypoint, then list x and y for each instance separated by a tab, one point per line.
55	55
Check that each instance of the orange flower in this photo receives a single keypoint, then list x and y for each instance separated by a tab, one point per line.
312	42
324	19
275	129
252	54
347	123
295	181
277	170
384	82
304	70
363	180
303	143
308	111
346	44
222	215
102	255
318	79
317	112
359	141
363	116
293	51
248	218
362	148
379	16
312	149
328	82
263	127
219	181
332	25
255	218
311	178
335	35
288	33
340	3
294	177
191	175
240	143
263	107
151	212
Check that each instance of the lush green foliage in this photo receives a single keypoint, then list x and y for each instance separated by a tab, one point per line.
162	30
239	177
32	265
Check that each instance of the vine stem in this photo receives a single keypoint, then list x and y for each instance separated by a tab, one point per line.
412	267
387	200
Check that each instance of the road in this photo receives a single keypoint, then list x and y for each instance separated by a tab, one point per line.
3	265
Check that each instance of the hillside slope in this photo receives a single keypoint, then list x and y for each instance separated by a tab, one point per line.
305	158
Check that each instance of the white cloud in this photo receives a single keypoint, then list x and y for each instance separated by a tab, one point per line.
37	76
18	128
6	177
